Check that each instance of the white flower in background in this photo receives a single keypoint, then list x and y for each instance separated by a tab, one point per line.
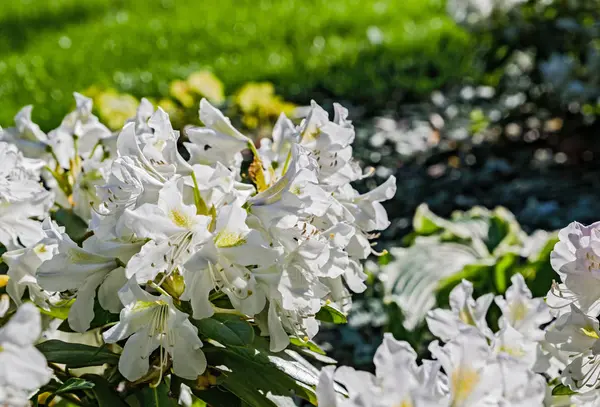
520	387
360	386
150	322
576	259
397	359
78	134
23	368
521	311
464	312
513	343
472	370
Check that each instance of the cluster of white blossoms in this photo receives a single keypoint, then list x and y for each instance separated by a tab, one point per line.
169	236
173	240
472	367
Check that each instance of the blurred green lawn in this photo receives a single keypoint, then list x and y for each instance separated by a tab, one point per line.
307	48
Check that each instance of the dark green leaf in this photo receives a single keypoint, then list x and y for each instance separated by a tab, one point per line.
76	355
226	329
328	313
75	227
74	384
105	394
156	396
215	396
562	390
254	372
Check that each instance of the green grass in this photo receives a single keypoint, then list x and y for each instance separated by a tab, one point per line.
307	48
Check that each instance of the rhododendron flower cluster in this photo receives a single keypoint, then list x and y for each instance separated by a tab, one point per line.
168	236
471	366
192	247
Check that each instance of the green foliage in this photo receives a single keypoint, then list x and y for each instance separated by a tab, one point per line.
485	247
308	49
242	371
105	395
74	384
76	355
226	329
254	374
562	390
328	313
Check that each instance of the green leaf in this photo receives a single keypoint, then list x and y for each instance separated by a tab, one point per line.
501	275
562	390
75	227
226	329
306	344
105	394
74	384
218	397
76	355
426	222
328	313
254	374
156	396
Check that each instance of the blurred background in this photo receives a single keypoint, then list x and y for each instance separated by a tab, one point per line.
486	111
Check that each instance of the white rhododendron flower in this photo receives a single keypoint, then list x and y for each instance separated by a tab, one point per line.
475	367
152	322
521	311
23	368
464	311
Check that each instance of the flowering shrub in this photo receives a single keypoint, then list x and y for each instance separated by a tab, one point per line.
177	268
136	277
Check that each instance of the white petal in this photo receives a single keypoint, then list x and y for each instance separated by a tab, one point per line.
109	289
279	338
134	362
188	359
81	313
